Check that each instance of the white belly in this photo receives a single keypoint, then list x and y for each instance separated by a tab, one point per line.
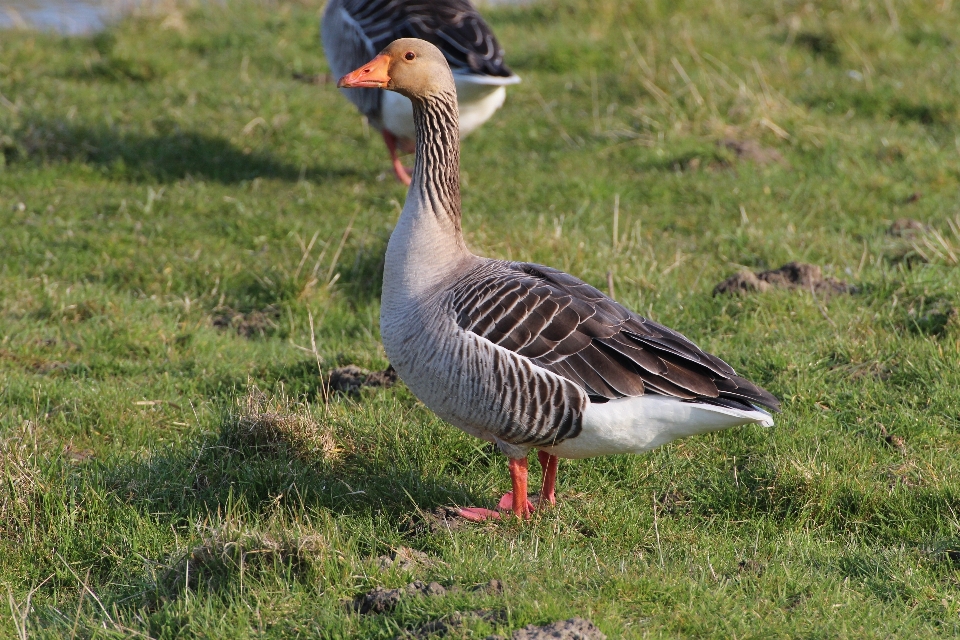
476	102
636	425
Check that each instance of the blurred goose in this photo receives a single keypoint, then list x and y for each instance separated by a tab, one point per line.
353	31
520	354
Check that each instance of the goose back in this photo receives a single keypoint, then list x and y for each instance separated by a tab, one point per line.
565	326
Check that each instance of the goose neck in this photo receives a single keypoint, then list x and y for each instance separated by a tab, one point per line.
426	247
435	182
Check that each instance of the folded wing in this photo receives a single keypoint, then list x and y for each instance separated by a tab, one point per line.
566	326
453	26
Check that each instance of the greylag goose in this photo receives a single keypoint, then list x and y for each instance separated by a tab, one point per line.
519	354
353	31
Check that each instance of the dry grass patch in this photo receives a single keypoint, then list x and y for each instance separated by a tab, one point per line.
22	482
232	547
279	426
930	245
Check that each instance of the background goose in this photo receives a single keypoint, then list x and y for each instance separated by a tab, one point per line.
521	354
353	31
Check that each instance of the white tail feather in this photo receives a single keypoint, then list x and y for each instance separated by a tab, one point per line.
639	424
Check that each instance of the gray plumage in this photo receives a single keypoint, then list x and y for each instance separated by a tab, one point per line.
517	353
354	31
570	328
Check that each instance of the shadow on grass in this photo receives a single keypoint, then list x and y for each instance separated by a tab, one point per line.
875	573
200	479
168	156
885	103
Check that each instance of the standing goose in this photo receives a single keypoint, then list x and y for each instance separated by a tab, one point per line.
519	354
353	31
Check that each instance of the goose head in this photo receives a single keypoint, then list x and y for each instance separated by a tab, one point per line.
413	68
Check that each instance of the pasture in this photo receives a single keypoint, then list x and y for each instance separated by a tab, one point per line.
192	228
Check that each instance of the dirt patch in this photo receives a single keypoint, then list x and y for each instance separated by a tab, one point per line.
793	275
906	228
949	556
905	475
752	151
431	589
750	567
440	520
404	559
672	501
893	440
380	600
491	588
351	379
258	323
572	629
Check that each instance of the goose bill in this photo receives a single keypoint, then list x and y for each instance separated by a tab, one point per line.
373	75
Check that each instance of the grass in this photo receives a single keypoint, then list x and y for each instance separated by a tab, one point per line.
190	237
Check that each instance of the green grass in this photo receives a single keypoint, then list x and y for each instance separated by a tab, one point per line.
170	176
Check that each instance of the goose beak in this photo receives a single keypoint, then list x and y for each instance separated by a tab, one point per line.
373	75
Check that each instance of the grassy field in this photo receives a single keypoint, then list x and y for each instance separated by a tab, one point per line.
183	220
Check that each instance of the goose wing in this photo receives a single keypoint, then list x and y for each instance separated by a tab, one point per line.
453	26
347	47
564	325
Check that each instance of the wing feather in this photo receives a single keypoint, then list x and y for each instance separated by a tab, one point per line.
570	328
454	26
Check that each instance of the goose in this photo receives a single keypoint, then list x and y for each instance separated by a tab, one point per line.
520	354
354	30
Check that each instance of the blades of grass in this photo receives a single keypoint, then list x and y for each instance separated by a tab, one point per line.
336	254
306	254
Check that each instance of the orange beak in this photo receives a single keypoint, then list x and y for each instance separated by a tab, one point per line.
372	75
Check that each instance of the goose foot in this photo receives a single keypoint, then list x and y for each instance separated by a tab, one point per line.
478	514
403	174
508	504
515	500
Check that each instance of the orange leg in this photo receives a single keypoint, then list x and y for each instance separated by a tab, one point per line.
515	501
549	463
402	174
518	476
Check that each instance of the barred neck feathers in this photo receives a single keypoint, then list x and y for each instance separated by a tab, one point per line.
426	248
436	174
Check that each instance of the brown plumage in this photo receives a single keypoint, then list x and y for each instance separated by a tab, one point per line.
572	329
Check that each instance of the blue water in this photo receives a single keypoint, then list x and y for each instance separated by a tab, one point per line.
76	17
71	17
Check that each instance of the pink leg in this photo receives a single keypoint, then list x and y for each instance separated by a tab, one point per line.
398	167
549	463
515	501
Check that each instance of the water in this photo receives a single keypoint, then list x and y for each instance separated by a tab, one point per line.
77	17
72	17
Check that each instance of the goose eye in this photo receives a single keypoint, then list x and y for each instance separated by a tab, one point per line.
409	55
